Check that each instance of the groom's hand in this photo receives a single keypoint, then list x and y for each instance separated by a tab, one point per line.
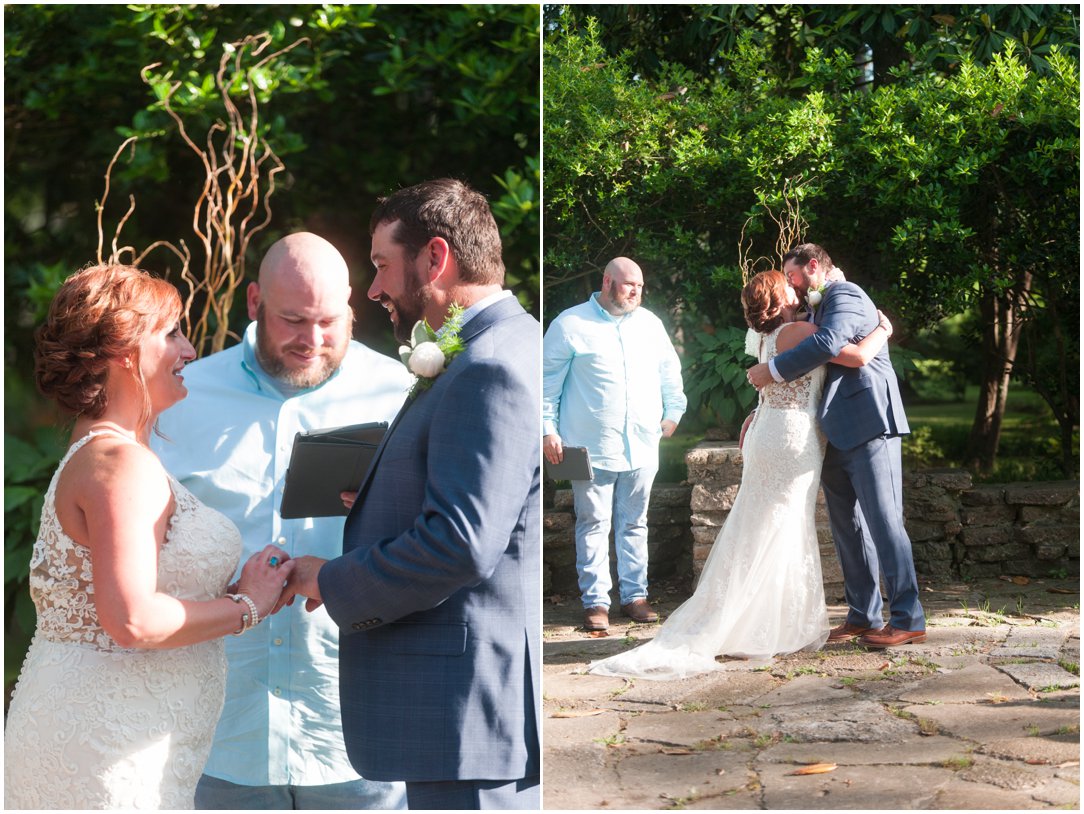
759	375
303	582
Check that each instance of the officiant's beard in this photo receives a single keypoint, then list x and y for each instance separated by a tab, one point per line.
273	360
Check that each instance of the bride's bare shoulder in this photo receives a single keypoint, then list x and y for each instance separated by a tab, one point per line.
792	333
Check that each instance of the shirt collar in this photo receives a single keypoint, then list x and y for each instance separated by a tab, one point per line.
481	305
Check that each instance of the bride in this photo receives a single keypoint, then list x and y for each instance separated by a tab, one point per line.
760	592
120	692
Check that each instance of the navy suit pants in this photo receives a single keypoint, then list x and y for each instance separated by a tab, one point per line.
475	795
863	488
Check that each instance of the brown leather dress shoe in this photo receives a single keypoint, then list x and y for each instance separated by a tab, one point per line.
639	611
889	636
848	632
596	619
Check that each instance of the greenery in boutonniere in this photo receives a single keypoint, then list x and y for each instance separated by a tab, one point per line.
430	352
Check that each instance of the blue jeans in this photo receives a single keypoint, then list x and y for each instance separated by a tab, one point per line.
624	497
215	794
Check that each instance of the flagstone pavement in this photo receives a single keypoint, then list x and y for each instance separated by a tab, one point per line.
985	714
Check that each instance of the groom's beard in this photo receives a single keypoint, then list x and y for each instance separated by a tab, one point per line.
409	309
802	288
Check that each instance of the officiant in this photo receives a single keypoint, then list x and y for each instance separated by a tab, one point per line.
611	382
279	744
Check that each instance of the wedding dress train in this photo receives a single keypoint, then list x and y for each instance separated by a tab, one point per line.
761	591
93	725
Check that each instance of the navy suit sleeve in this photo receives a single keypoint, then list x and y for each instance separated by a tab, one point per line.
483	449
845	318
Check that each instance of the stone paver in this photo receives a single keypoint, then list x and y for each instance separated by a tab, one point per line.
1032	643
984	715
975	683
1040	676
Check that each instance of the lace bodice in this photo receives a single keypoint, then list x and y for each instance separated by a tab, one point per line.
61	571
92	725
801	394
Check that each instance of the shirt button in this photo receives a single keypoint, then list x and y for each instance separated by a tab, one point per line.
278	641
281	541
278	691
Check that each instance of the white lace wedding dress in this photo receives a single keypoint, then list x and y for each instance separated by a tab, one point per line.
93	725
760	592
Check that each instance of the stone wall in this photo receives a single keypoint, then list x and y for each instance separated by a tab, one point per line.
958	529
669	541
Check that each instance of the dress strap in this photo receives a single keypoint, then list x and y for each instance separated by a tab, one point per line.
82	442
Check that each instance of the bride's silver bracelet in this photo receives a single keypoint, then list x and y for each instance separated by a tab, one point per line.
250	619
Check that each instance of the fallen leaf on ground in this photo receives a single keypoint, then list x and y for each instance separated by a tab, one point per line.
1035	761
997	698
577	713
1068	764
884	666
815	768
598	634
1017	580
1059	591
676	751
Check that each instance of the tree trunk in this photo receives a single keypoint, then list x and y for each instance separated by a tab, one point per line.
1000	313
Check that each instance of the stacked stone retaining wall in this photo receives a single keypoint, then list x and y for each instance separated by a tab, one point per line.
958	529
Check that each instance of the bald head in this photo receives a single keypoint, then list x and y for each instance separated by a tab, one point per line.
622	286
301	304
303	259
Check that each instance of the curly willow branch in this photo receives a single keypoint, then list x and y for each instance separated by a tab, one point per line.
790	224
233	204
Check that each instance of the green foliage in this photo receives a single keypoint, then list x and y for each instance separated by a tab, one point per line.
28	468
933	38
373	98
714	375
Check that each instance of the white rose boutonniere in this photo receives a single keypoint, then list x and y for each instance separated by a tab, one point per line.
430	353
815	295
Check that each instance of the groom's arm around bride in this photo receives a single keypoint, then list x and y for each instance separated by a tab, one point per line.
437	592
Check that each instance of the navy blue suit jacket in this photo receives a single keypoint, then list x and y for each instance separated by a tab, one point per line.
437	594
859	403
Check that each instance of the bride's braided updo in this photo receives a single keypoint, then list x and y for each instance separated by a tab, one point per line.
763	300
100	314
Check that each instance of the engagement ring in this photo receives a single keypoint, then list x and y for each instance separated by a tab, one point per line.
273	562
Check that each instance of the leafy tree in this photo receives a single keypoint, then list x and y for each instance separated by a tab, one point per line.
880	37
973	181
373	98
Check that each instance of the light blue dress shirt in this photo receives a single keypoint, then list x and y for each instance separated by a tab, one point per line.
608	382
230	444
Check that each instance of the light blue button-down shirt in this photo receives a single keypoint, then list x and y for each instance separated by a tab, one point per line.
608	382
230	445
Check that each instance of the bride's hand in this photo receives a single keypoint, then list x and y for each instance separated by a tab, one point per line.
885	323
263	576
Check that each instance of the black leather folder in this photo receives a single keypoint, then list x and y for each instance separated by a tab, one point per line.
326	462
576	465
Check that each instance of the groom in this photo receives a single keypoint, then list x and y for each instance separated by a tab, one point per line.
862	416
437	593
